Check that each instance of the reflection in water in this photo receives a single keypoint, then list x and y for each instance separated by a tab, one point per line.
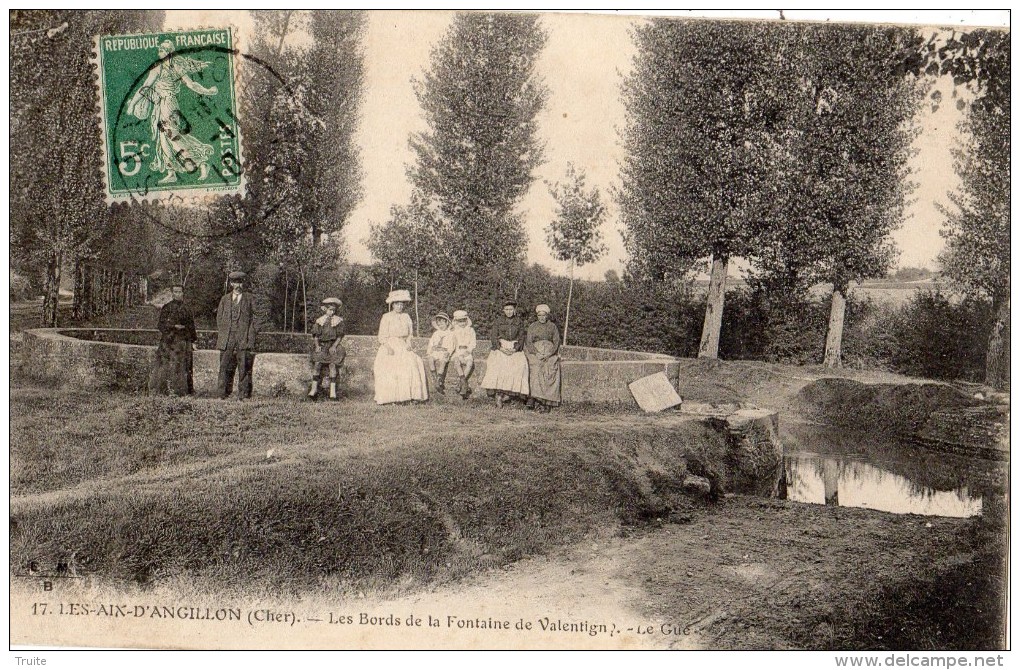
841	481
834	466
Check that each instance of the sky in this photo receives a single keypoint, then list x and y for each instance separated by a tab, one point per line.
585	58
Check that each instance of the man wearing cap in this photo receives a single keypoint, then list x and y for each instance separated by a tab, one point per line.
235	338
506	369
463	359
172	372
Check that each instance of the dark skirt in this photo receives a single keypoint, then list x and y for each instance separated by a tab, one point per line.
171	372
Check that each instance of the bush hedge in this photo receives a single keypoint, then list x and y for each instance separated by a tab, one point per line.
931	335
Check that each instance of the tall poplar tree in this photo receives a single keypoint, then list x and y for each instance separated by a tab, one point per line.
474	163
704	109
845	175
977	254
58	212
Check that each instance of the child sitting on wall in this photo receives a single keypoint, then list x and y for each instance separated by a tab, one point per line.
464	351
440	350
327	333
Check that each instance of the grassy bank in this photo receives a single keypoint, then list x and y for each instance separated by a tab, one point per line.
282	493
279	498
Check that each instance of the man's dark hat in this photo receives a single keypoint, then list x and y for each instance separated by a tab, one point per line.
510	301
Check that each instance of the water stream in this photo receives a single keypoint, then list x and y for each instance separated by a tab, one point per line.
834	466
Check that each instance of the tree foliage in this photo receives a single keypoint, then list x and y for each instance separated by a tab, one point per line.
703	109
977	249
575	234
480	100
58	211
409	245
845	168
300	103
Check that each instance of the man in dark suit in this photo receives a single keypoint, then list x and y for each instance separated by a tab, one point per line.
235	338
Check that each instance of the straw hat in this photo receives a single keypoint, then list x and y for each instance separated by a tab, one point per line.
437	317
336	302
237	276
400	295
542	309
461	315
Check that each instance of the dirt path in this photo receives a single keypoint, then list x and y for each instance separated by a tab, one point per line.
745	574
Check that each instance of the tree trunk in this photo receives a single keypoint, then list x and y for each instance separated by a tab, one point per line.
304	301
830	482
570	295
293	312
712	326
997	360
79	308
286	296
834	336
417	320
283	33
51	294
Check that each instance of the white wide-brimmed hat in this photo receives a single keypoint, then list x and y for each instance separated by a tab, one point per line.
400	295
336	302
542	309
461	315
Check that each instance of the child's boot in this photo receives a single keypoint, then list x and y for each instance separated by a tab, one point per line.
314	390
332	388
441	382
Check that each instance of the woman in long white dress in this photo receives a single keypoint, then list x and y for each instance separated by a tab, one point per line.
399	372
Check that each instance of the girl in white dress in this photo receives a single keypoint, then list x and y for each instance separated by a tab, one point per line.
399	372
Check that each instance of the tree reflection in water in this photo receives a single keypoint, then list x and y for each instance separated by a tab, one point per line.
839	467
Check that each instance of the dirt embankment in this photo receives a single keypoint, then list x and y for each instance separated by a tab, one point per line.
290	493
276	497
935	415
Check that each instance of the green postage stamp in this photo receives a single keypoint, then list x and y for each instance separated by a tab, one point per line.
169	115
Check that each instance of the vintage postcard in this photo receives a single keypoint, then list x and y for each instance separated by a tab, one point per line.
358	330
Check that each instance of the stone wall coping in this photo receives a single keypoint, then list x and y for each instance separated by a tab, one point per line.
74	333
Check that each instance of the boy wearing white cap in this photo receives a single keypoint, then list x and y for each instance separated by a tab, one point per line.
463	357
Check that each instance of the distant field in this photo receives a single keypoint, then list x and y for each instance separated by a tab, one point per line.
881	291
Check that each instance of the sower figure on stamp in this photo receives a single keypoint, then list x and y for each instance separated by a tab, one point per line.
235	338
175	149
173	369
327	333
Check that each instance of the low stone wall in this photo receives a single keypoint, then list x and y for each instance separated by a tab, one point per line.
121	358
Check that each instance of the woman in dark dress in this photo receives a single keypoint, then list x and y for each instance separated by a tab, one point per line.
542	347
506	369
172	370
